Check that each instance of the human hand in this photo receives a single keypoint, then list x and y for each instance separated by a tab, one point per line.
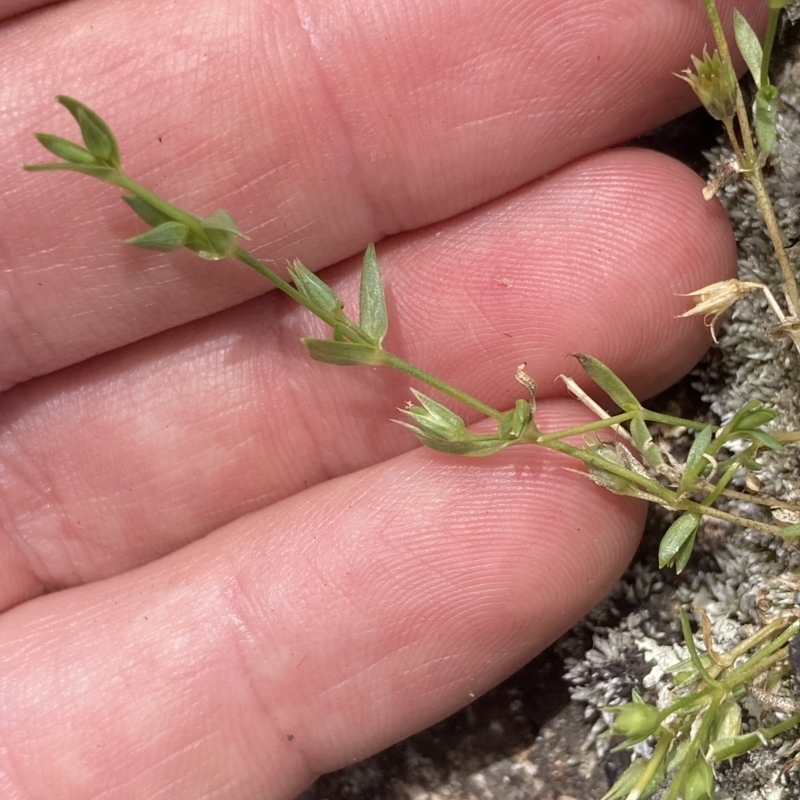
225	570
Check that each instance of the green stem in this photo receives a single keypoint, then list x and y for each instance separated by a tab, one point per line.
658	757
762	659
693	655
123	181
390	360
765	206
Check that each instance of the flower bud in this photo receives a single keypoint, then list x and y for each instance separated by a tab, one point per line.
636	720
714	82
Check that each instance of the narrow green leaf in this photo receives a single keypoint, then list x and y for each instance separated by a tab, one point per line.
345	354
608	382
699	447
695	461
97	136
165	237
107	174
765	440
151	215
314	289
681	532
63	148
752	414
766	115
749	45
684	553
625	784
372	302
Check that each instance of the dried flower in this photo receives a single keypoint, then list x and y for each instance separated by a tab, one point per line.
715	299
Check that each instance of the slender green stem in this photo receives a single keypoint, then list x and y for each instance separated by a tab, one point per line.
618	419
391	360
733	138
660	751
124	181
787	724
765	206
762	659
693	655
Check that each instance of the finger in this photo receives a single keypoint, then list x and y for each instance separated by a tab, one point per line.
329	128
309	635
13	8
163	442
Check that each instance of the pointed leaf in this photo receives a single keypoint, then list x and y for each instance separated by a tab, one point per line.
436	410
765	440
63	148
107	174
151	215
608	382
753	414
678	535
372	302
699	447
97	136
222	233
749	45
345	354
165	237
696	461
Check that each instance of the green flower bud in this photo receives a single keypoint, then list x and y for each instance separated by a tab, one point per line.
636	720
714	82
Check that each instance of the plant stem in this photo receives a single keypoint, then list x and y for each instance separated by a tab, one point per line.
765	206
390	360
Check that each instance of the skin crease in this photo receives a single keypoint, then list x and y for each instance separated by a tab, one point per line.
224	570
